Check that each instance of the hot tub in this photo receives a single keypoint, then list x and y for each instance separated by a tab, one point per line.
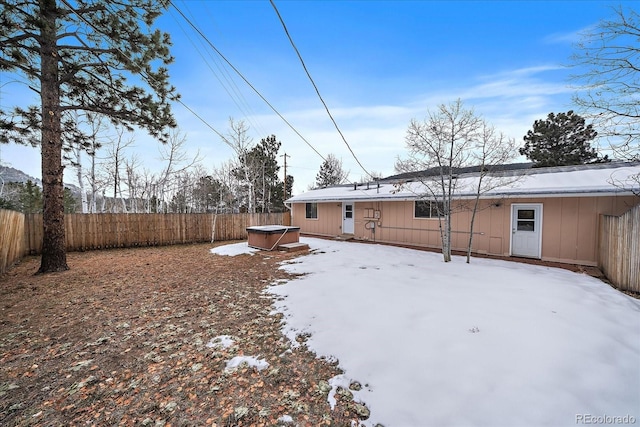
269	237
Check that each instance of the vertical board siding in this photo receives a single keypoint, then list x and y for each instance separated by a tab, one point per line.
103	231
12	238
619	250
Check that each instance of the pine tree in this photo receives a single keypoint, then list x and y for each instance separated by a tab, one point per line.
78	57
258	171
560	140
331	172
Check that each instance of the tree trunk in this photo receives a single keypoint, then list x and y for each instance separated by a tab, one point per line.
54	252
473	219
94	187
83	193
446	240
446	233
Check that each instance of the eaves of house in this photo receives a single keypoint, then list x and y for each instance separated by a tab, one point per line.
615	178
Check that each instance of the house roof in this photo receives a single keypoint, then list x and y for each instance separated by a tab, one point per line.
459	171
517	181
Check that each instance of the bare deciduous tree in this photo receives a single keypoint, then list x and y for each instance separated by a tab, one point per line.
492	149
607	63
114	165
239	140
177	162
441	143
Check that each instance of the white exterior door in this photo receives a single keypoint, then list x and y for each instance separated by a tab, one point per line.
526	230
347	218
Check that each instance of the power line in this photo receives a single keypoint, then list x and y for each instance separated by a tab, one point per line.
245	79
86	21
316	87
224	78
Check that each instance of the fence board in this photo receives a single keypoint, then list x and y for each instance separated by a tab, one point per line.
619	251
12	238
111	230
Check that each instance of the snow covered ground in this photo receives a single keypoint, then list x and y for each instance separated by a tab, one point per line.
492	343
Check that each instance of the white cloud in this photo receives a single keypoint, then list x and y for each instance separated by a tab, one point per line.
510	99
568	37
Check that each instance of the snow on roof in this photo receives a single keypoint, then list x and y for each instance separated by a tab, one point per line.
600	179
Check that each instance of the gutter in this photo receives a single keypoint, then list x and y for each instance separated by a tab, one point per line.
519	195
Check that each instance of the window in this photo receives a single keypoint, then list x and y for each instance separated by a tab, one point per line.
428	209
348	211
311	211
526	220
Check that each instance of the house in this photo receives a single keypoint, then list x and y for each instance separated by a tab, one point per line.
545	213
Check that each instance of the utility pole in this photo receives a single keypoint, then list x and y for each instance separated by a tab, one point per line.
285	155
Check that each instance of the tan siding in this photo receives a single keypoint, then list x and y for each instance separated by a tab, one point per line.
569	229
482	228
587	220
622	205
390	218
569	214
328	223
405	234
460	229
551	229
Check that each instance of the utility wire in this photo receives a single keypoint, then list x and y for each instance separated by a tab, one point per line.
234	94
316	87
230	87
245	79
86	21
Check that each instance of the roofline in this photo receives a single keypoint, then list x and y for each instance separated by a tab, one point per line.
501	195
585	192
508	170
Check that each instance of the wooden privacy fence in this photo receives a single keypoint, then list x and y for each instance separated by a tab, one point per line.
619	257
101	231
12	246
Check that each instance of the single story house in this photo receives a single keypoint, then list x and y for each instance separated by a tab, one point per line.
545	213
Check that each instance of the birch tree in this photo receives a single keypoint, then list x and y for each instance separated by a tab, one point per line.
441	143
177	160
228	195
135	187
244	168
114	166
492	149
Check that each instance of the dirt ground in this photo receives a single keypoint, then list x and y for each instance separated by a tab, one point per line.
122	339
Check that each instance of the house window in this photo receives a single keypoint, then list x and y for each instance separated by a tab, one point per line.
526	220
311	211
428	209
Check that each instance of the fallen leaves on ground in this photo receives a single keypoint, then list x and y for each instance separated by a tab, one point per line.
121	339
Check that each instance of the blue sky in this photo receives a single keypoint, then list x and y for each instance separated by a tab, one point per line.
377	64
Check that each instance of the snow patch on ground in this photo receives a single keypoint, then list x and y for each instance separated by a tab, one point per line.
449	344
343	382
251	361
234	249
220	342
287	419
